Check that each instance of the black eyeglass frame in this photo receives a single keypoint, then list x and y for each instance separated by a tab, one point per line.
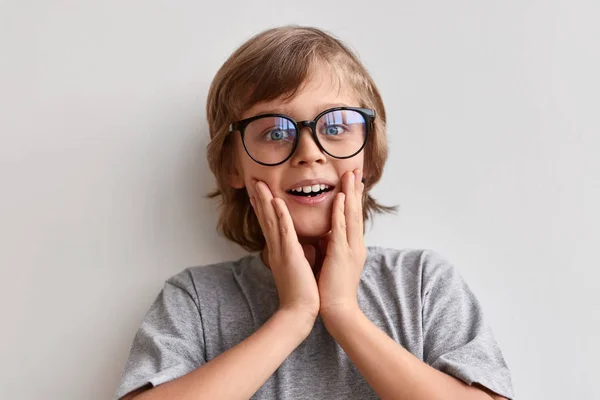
367	113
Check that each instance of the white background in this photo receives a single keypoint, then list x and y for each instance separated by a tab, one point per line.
493	131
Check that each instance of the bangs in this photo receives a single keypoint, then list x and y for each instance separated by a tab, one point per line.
277	64
282	78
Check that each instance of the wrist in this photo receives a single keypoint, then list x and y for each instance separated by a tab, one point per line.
299	321
339	314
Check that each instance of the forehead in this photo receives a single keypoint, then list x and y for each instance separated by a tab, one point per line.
321	90
305	113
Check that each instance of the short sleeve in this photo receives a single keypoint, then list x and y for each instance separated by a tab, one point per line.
457	340
169	342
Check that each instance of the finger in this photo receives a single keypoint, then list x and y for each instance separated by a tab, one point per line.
360	188
254	200
351	211
256	205
251	188
358	183
267	217
324	242
338	221
288	236
358	176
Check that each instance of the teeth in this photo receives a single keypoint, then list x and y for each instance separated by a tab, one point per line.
309	189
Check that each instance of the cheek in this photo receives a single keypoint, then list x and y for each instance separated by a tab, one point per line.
360	160
268	175
360	163
350	165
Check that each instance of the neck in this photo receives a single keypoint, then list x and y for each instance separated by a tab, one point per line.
311	247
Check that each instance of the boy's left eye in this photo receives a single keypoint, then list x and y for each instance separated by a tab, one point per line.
277	134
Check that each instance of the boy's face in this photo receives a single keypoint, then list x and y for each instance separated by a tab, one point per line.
311	215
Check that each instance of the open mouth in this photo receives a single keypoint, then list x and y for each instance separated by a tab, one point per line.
310	191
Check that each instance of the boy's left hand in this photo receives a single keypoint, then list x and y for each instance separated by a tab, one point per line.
345	250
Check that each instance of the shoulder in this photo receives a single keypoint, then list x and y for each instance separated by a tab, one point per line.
425	261
199	278
426	266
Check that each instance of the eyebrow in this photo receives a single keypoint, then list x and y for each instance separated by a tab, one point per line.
286	111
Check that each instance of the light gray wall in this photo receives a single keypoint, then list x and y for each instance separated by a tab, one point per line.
493	126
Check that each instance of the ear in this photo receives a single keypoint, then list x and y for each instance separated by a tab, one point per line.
235	175
236	178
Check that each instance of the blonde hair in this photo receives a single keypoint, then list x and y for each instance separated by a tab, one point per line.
273	65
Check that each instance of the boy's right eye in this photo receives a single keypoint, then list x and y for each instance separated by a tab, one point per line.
277	134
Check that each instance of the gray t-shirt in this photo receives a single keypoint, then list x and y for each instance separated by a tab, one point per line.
415	296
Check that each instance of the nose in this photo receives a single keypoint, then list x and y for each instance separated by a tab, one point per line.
307	151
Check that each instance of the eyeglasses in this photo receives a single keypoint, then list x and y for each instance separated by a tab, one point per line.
271	139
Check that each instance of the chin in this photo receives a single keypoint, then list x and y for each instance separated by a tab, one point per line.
312	229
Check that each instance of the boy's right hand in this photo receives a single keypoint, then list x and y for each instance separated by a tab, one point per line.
294	278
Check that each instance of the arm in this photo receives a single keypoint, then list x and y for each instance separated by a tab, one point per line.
392	371
173	332
239	372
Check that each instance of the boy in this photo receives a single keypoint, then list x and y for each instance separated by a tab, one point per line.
297	141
